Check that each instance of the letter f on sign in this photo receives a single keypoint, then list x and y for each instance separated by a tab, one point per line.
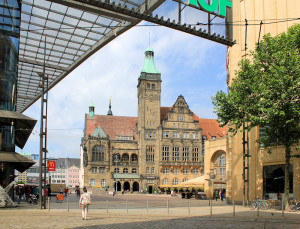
223	5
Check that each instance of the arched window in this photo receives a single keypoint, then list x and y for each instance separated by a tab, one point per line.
98	153
116	170
134	170
92	182
125	170
166	181
134	158
103	182
175	181
125	157
116	157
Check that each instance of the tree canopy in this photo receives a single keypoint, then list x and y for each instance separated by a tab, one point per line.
266	90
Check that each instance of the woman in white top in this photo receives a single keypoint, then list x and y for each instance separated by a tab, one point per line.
84	202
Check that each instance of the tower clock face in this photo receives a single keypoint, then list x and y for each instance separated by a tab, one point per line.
151	97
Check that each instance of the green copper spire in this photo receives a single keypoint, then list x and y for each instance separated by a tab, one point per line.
149	66
91	110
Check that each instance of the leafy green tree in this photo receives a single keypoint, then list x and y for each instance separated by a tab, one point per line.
266	92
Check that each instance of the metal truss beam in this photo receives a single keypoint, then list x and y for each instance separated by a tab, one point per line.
142	15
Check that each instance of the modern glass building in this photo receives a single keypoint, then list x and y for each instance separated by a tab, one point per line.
15	128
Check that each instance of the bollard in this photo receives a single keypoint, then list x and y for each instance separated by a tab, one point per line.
233	207
210	207
147	205
48	203
189	207
127	205
68	204
282	204
106	206
168	206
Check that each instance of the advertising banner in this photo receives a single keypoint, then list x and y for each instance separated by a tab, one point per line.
51	166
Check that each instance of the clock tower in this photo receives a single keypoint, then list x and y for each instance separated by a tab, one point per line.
149	91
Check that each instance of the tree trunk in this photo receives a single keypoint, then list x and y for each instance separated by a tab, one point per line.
287	176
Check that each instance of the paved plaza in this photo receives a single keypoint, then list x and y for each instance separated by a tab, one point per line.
180	213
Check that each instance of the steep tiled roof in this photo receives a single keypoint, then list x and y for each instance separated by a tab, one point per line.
164	113
210	127
113	126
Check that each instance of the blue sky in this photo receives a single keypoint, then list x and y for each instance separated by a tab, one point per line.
189	65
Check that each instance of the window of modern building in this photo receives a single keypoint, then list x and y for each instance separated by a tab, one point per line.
116	170
101	170
195	154
134	157
165	153
165	134
175	154
176	171
175	181
134	170
125	157
94	170
185	154
92	182
98	153
273	180
185	171
165	181
147	170
165	170
125	170
103	183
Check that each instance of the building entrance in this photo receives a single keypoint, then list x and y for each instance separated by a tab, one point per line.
127	186
150	189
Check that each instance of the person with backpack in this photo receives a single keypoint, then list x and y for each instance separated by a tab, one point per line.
84	203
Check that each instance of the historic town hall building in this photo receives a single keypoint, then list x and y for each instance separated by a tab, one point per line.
162	147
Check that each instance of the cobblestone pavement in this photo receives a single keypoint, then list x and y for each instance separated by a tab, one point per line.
177	216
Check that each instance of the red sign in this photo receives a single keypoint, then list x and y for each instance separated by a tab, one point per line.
51	165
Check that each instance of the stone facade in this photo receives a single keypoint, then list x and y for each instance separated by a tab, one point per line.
162	147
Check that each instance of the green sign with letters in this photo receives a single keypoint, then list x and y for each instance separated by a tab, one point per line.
216	5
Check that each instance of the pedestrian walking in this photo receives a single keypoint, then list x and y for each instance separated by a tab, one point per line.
84	203
216	195
220	194
18	194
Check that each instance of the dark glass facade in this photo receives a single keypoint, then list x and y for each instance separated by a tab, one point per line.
10	13
274	179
